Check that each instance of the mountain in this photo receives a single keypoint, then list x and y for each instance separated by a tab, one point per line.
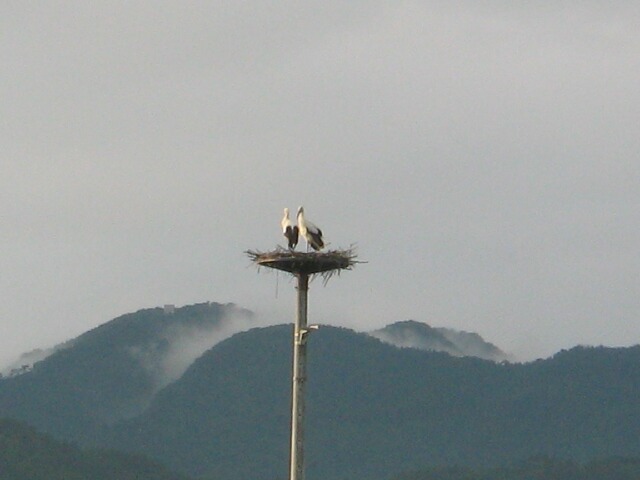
375	410
412	334
177	386
113	371
28	455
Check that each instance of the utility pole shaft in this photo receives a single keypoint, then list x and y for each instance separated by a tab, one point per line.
300	332
302	266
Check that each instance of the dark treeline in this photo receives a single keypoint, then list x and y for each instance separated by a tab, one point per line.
26	454
538	468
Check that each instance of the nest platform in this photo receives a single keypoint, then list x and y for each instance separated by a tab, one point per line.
305	263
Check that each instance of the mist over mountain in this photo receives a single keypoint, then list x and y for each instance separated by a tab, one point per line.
412	334
114	370
25	362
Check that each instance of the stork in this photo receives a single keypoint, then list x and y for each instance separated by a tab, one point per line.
311	233
289	231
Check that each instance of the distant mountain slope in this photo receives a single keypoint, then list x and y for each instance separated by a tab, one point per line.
28	455
412	334
375	410
113	371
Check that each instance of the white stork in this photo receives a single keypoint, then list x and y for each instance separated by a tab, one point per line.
311	233
289	231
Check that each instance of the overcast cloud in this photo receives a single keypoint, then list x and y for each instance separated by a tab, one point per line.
483	155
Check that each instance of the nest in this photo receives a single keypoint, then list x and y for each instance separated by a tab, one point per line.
325	264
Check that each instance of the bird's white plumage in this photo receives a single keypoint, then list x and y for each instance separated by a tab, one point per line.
289	231
286	223
311	233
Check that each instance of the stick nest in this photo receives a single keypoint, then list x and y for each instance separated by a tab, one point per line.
325	264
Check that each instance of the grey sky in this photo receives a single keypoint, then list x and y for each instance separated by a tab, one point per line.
484	156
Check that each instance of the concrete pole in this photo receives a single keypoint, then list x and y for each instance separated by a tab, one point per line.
300	332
